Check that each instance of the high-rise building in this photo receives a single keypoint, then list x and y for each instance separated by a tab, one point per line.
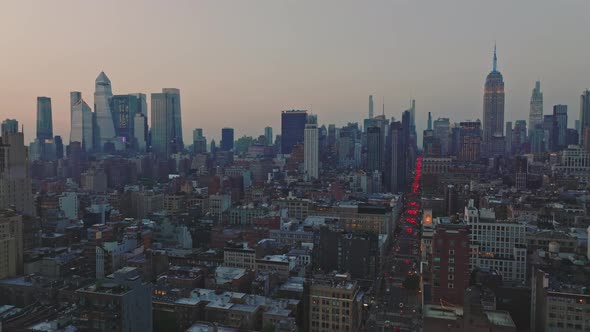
536	110
493	106
139	132
11	244
292	129
413	117
199	141
82	129
374	150
227	139
268	135
508	137
59	147
560	119
429	125
15	178
537	139
370	106
549	130
585	117
519	137
470	140
521	168
124	108
9	126
44	119
311	157
104	119
442	127
394	176
166	128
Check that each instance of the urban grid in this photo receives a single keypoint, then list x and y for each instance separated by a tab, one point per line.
126	227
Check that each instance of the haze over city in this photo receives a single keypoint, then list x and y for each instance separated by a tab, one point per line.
239	63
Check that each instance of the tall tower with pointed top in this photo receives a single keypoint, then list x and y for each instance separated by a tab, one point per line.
536	110
493	106
102	111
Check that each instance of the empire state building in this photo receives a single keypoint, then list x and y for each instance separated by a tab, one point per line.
493	110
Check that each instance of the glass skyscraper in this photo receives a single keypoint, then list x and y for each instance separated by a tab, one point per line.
166	123
292	129
123	110
44	119
227	139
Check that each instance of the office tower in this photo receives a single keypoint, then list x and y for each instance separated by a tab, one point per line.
139	125
370	106
450	262
82	129
560	126
104	120
519	137
571	137
536	110
374	150
521	168
311	149
141	103
199	141
508	137
455	144
549	130
15	178
268	135
334	304
227	139
441	133
292	129
44	119
470	140
11	244
578	126
493	107
394	176
506	253
124	108
9	126
59	147
585	117
429	126
120	302
166	121
537	139
413	117
430	144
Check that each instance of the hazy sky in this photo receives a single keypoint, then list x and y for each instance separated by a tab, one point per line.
239	63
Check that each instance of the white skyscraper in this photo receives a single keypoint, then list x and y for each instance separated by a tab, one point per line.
311	151
102	109
81	129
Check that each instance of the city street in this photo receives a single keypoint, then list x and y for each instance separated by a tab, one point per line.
397	308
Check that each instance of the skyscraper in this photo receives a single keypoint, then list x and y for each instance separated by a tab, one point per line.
508	137
374	149
311	149
82	129
470	140
140	134
104	119
442	127
268	135
560	119
493	106
227	139
429	125
585	117
9	126
292	129
199	141
15	178
166	123
536	111
124	108
413	117
44	119
370	106
394	176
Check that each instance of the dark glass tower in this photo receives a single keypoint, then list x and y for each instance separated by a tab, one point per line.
374	149
123	109
292	129
44	119
227	139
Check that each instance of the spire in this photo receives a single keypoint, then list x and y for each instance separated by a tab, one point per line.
495	60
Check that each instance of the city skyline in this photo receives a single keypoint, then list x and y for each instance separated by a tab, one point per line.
274	70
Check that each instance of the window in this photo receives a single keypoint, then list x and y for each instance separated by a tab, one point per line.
451	252
451	260
451	277
451	269
451	285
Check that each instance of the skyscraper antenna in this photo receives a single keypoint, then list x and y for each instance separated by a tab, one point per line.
495	59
